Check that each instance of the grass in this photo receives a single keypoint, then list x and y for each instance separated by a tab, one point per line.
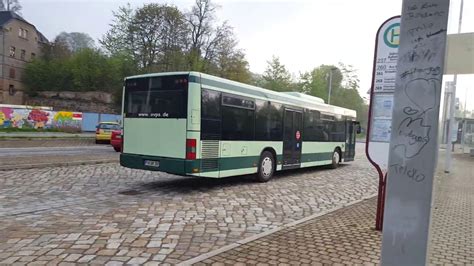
33	130
14	129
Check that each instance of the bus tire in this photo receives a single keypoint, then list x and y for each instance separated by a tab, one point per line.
266	167
336	159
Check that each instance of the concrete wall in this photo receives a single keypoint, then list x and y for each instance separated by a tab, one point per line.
90	120
17	116
23	117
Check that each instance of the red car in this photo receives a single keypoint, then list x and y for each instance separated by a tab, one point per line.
116	140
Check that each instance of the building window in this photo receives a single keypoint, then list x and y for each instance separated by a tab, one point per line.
12	51
11	90
33	56
23	33
23	55
12	73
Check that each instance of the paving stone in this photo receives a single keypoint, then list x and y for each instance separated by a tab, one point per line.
137	261
9	260
86	258
353	227
73	257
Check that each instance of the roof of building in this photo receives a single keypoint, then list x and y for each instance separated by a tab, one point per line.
6	16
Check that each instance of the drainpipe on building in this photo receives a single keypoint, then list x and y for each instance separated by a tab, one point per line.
3	64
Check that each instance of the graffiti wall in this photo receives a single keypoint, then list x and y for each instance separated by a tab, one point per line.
11	117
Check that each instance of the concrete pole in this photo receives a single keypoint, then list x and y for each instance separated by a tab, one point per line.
452	103
414	147
445	116
449	156
464	122
330	86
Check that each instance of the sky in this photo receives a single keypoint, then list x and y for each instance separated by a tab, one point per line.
303	33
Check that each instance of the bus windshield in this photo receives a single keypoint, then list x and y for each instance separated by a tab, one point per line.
156	97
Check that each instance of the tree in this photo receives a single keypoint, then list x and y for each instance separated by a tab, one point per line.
153	35
160	37
316	82
276	77
345	85
86	70
205	36
10	5
75	41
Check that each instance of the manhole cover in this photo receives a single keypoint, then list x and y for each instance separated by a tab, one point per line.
130	192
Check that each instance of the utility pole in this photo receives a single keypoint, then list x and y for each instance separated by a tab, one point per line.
448	159
330	84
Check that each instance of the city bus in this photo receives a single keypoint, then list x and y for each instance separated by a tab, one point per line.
194	124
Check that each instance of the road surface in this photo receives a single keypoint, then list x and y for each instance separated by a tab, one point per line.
64	151
49	156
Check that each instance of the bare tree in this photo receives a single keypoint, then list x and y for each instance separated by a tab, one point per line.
10	5
75	41
206	38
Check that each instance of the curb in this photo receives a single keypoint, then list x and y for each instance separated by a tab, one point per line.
268	232
3	137
42	165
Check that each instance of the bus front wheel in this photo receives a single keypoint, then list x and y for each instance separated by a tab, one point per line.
336	159
266	167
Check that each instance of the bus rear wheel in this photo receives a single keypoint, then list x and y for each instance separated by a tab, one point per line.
336	159
266	167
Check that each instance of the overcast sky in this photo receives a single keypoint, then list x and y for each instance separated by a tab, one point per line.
303	33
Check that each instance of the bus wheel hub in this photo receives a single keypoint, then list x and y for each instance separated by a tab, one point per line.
267	166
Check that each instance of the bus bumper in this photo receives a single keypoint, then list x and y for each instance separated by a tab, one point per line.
162	164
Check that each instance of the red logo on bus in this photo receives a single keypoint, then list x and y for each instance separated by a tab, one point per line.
298	135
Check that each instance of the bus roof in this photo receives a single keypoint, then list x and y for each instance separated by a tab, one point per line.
293	98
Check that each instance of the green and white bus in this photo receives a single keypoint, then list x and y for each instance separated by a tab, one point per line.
190	123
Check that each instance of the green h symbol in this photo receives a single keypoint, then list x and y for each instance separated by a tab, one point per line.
393	35
390	40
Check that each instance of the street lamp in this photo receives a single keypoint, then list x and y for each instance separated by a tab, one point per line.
330	84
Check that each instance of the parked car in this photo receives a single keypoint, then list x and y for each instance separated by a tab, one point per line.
104	131
116	140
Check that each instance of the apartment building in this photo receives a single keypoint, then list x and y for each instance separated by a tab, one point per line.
20	43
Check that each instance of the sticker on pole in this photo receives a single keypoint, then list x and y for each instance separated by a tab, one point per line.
298	135
381	93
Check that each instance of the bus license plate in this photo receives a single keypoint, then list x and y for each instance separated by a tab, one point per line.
152	163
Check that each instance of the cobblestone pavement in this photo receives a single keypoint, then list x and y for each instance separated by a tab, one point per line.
346	236
108	214
452	233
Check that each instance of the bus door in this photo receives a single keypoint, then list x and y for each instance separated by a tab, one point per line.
292	139
351	132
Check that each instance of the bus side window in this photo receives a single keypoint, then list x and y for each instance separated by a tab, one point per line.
314	128
238	118
268	121
210	115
